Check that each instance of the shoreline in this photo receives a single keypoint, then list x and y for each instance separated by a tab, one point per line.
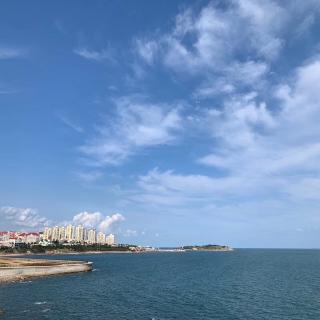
75	253
59	253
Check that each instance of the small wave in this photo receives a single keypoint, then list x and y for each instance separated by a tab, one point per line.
94	270
40	302
25	311
46	310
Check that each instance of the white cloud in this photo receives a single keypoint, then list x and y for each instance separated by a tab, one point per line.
29	218
147	49
236	122
212	38
288	146
210	88
135	126
71	124
87	219
97	220
23	217
247	72
89	54
232	77
171	189
259	146
259	152
228	47
265	19
108	221
11	53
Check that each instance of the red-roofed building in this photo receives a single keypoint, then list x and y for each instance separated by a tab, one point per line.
11	239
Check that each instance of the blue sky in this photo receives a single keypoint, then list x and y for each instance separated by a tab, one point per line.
168	123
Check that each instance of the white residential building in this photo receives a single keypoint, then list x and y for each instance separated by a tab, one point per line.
92	236
101	238
110	239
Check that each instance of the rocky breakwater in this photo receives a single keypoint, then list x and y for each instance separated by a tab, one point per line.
19	269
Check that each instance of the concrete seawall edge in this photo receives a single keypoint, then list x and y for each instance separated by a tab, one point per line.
8	274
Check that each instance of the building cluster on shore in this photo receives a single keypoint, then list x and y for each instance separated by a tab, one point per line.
69	234
16	238
77	234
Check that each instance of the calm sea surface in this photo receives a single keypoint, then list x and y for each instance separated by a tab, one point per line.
244	284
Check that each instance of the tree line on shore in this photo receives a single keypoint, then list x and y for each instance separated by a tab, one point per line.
27	248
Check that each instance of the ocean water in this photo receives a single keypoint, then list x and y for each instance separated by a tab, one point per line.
244	284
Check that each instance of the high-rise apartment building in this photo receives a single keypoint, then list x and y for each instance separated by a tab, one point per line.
110	239
62	234
92	236
101	238
55	233
79	233
70	232
47	234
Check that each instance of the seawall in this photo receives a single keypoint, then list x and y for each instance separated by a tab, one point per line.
13	273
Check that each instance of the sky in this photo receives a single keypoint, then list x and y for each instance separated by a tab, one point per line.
165	122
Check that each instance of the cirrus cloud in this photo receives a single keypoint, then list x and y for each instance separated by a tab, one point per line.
135	126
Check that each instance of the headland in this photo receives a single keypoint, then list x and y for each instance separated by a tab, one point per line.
207	247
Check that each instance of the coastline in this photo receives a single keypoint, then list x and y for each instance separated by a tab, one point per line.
73	253
58	253
135	250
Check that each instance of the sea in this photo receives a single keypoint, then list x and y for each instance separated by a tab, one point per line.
243	284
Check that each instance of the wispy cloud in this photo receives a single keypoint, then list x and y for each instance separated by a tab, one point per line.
191	186
215	36
71	124
136	125
249	131
228	48
11	53
94	55
58	25
258	150
146	49
4	91
23	217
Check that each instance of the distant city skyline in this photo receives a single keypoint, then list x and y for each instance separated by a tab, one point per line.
77	233
166	123
68	234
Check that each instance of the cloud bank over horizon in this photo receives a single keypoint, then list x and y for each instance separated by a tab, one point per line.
29	218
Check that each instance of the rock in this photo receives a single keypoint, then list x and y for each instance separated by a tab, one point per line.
2	312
